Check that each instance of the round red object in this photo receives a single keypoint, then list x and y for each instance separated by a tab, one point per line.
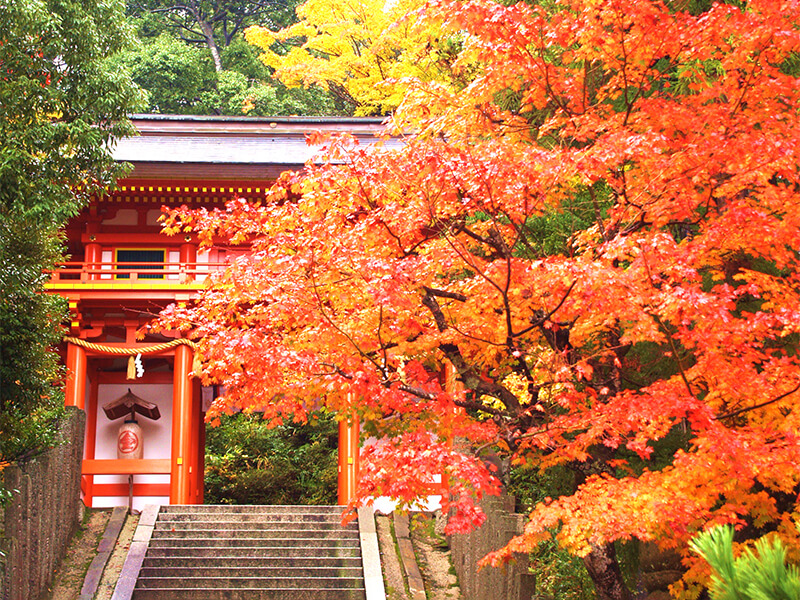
128	442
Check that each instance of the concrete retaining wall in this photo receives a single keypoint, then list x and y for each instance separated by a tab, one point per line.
513	582
40	518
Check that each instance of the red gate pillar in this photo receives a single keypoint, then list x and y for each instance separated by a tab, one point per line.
75	391
180	481
451	386
188	258
197	445
92	260
91	435
349	448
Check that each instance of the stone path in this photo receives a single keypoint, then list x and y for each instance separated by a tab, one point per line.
432	558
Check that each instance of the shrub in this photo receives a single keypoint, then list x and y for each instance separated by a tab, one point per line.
759	575
247	462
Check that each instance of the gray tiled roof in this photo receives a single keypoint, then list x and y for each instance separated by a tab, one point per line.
228	140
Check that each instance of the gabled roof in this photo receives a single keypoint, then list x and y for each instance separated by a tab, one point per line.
198	142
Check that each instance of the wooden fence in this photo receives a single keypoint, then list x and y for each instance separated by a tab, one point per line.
42	514
512	582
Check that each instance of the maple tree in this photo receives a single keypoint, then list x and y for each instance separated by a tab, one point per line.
359	51
658	149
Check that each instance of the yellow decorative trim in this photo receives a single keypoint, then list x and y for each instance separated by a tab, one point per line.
123	285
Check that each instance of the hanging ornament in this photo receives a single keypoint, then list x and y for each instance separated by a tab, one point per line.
139	365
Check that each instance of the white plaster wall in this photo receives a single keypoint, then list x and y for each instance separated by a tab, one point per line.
156	435
107	258
202	265
386	505
174	258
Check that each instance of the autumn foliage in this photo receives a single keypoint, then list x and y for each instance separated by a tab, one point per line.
365	53
655	149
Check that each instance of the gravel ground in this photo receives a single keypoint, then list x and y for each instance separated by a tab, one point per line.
433	558
392	571
82	549
80	552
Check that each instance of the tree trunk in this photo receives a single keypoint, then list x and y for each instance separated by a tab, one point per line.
208	32
603	568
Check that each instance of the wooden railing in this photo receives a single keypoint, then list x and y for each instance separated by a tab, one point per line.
129	467
181	273
120	466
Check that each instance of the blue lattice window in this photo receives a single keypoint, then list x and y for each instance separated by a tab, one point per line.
137	258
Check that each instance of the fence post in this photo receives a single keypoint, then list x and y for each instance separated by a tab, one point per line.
512	582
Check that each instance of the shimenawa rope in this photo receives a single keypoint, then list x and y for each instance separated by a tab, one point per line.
133	352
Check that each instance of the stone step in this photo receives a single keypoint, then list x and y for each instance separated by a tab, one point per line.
252	540
246	517
206	550
260	571
252	583
249	508
252	526
251	553
260	524
256	550
309	533
241	594
216	561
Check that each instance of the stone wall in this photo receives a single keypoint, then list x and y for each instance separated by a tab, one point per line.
40	518
512	582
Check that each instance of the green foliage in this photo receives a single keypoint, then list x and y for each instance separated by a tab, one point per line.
551	233
62	107
179	78
235	95
759	575
199	63
222	19
558	573
241	57
530	485
61	103
174	74
30	403
247	462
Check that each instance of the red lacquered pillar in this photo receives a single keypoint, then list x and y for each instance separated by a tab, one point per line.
349	448
188	258
91	436
75	391
181	456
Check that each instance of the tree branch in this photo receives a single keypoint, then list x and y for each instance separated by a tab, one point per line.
757	406
444	294
539	321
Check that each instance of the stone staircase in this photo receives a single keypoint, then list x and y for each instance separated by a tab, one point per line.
210	552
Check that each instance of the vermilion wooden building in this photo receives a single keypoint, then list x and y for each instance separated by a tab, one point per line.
124	271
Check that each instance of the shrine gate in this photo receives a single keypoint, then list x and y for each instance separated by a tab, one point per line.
124	271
